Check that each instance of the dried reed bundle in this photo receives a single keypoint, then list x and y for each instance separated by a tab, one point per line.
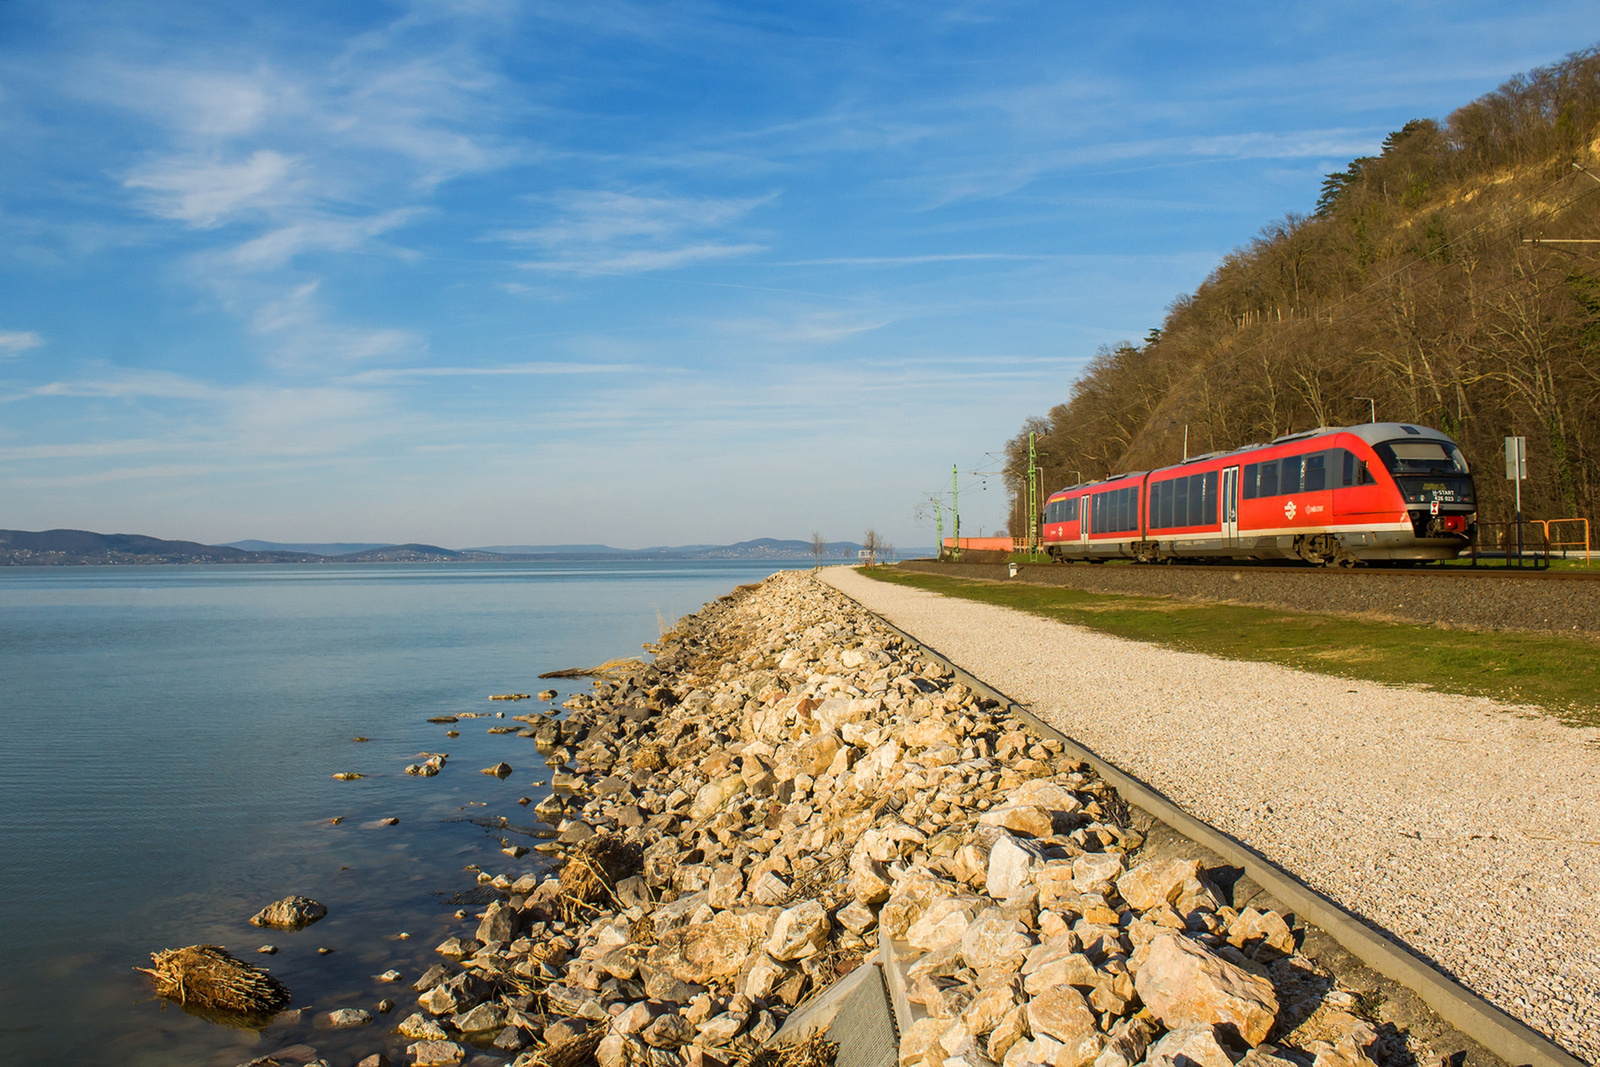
650	757
642	932
814	1051
573	1052
596	865
206	975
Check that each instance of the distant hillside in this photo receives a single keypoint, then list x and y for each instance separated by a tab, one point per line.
331	548
760	548
1445	281
411	554
549	550
68	547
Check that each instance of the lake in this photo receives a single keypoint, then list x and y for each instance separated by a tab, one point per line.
171	734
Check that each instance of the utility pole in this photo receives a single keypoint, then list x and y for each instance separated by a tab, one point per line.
1033	500
938	523
955	511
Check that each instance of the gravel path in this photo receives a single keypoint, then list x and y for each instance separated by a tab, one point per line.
1465	827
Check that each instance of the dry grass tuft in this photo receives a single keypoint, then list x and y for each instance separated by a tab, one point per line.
574	1052
814	1051
650	757
594	868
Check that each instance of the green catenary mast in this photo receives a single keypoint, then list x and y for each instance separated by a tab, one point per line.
955	511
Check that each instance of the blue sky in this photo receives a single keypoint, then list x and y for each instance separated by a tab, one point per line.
512	273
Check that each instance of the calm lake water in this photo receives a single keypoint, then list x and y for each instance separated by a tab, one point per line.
170	736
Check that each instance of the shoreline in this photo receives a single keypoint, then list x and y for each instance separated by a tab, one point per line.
744	818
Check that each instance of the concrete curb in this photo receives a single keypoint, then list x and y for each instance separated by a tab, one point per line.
1512	1040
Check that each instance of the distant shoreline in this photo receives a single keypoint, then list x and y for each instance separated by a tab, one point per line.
80	548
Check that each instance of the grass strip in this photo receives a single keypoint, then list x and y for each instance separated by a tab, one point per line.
1557	673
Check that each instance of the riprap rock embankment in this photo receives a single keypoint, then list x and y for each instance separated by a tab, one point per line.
788	783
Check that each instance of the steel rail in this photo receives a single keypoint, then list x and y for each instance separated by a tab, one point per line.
1486	571
1509	1038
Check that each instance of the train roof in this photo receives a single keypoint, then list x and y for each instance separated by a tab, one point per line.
1096	485
1371	432
1374	432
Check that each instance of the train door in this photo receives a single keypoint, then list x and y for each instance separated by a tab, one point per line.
1083	520
1230	506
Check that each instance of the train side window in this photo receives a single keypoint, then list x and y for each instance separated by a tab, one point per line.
1072	510
1208	501
1179	491
1268	485
1097	515
1354	471
1133	508
1289	480
1316	475
1251	472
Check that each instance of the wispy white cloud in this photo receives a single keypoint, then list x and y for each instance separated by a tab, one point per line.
628	233
203	193
511	370
915	261
123	383
806	328
643	260
277	247
15	342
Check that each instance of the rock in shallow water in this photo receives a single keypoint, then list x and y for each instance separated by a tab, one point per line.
290	913
436	1053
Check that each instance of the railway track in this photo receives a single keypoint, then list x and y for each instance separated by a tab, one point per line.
1483	571
1481	599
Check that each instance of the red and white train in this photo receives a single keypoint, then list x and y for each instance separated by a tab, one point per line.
1377	492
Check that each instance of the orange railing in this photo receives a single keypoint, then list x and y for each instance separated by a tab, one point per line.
1564	545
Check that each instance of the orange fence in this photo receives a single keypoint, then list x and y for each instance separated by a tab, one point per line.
985	544
1564	545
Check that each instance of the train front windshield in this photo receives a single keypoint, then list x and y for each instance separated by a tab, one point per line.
1428	471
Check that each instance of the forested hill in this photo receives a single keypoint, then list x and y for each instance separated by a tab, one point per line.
58	547
1418	281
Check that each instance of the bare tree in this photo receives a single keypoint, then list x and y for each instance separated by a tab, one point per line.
871	544
819	548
